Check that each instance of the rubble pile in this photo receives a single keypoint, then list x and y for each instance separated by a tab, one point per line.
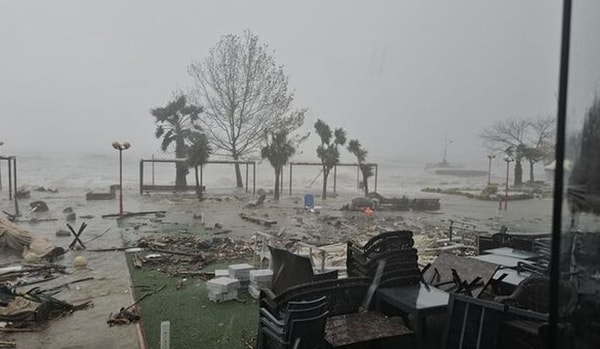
180	255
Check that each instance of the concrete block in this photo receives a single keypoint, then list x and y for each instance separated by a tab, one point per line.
221	272
222	285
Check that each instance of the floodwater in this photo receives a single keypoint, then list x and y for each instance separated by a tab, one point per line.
111	287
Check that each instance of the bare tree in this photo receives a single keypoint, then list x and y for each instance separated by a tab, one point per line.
522	139
543	130
328	151
509	136
243	92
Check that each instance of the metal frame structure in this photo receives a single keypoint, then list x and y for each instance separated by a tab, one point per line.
12	174
144	187
292	164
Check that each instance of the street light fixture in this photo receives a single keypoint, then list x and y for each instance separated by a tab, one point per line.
490	157
508	160
120	147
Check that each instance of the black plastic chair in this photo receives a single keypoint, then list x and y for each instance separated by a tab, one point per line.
308	333
290	269
345	295
280	327
295	306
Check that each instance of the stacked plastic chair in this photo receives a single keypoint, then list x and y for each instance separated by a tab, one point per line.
345	295
393	247
300	325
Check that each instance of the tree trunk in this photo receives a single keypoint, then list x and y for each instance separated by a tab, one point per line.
277	176
180	173
531	180
198	188
181	169
239	182
518	173
365	183
325	174
238	173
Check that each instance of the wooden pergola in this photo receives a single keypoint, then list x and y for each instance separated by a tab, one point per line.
12	174
292	164
145	187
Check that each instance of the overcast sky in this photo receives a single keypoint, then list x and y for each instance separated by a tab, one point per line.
397	75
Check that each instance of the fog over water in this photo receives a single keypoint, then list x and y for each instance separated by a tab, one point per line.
397	75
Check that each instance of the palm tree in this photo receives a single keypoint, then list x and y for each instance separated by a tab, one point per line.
198	153
174	123
328	150
356	149
278	150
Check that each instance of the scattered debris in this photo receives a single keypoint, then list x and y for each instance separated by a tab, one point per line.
134	214
257	202
181	284
137	261
123	317
63	233
103	196
38	206
8	344
76	238
22	194
258	220
80	262
71	217
33	308
187	255
97	236
42	189
128	315
31	271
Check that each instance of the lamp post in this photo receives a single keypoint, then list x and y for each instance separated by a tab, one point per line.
120	147
508	160
490	157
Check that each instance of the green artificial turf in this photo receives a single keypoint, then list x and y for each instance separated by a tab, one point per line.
196	322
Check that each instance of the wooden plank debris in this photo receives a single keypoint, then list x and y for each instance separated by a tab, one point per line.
258	220
134	214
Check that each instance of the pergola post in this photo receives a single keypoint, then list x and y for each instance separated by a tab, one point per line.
247	178
334	178
291	165
10	185
142	176
253	178
376	168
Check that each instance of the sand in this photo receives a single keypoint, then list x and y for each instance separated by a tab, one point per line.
111	287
